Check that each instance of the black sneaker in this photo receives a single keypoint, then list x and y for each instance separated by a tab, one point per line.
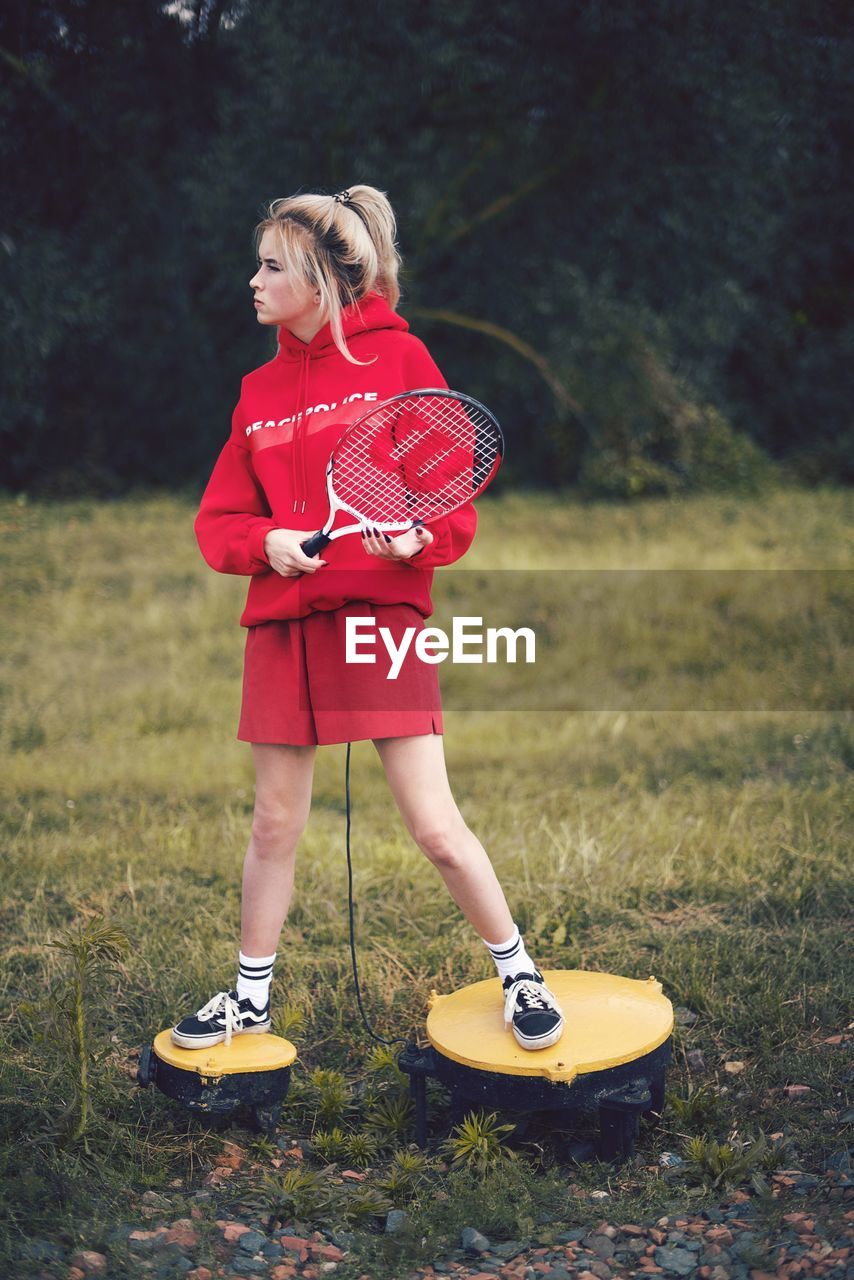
532	1011
220	1019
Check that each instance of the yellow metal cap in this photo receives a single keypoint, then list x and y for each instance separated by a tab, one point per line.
245	1053
609	1020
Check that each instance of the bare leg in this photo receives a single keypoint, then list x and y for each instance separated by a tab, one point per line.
415	768
282	802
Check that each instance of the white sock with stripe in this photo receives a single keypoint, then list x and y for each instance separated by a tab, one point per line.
510	957
254	975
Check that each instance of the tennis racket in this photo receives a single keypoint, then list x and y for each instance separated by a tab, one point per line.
410	460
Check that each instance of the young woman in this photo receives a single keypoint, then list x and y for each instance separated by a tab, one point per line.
327	281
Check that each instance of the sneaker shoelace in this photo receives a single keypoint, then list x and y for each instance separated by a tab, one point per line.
533	995
222	1005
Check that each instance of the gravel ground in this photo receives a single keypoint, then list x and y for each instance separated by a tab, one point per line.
725	1242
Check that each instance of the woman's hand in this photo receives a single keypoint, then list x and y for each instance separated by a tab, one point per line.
282	548
403	547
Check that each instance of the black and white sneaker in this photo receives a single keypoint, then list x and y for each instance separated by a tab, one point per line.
221	1018
532	1011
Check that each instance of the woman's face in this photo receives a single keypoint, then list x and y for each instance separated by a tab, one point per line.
278	300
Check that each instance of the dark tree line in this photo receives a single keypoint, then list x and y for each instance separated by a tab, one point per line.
627	227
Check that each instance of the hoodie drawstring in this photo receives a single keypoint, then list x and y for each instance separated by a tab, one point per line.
299	468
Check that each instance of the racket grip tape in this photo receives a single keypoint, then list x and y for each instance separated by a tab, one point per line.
315	543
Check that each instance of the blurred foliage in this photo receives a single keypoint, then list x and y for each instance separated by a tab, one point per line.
624	228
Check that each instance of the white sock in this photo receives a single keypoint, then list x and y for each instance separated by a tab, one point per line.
510	957
254	976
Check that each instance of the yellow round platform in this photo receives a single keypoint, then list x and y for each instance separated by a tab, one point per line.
245	1053
609	1020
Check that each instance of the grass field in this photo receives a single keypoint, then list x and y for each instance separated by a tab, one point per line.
708	844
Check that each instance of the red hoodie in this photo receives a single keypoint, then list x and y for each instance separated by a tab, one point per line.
271	473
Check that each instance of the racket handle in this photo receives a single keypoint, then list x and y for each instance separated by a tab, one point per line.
315	543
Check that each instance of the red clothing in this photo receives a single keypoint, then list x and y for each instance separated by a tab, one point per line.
299	689
271	471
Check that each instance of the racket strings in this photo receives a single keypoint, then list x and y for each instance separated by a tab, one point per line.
419	457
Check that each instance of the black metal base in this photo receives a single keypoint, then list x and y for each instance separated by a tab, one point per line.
261	1091
620	1095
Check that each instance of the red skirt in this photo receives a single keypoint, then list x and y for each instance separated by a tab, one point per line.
298	688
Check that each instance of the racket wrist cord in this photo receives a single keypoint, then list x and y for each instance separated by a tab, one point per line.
380	1039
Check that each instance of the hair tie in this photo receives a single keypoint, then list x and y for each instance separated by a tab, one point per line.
343	197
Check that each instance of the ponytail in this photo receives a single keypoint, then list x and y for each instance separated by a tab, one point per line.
343	245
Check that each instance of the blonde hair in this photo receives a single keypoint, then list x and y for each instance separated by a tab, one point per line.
343	245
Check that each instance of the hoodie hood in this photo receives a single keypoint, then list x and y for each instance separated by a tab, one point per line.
368	315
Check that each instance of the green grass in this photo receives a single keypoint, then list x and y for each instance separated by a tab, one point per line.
706	846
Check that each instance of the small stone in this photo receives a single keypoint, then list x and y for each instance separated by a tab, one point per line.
396	1220
685	1017
735	1068
600	1245
295	1244
677	1261
200	1273
696	1061
248	1266
599	1267
146	1241
170	1267
714	1255
167	1255
183	1233
797	1091
74	1273
473	1241
155	1200
719	1235
327	1251
89	1262
745	1244
251	1241
232	1231
510	1248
